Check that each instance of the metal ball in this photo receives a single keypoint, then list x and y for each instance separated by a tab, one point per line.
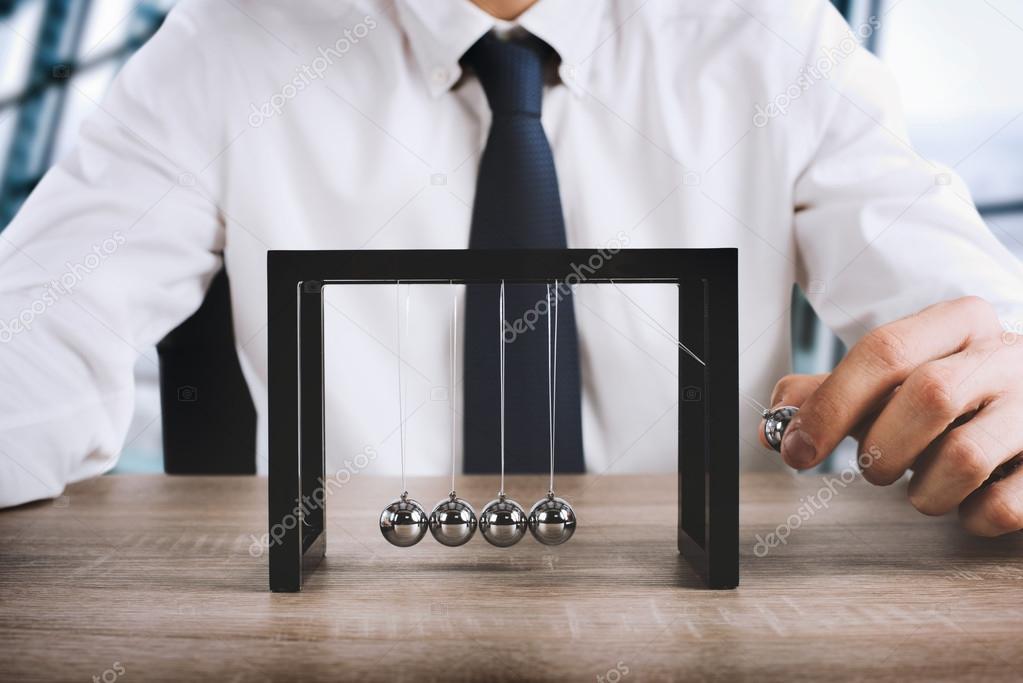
503	522
775	422
552	520
403	523
453	521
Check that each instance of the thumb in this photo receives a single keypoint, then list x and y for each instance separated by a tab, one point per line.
792	390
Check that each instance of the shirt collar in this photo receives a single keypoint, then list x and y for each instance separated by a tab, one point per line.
440	32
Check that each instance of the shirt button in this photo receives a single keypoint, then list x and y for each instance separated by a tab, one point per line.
567	72
439	75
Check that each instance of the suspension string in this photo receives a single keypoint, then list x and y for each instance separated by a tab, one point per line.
501	330
550	382
401	402
760	408
666	333
552	374
454	366
554	392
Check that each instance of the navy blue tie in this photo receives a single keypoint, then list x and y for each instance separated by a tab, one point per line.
517	205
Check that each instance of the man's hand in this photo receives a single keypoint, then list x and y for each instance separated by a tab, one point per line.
939	392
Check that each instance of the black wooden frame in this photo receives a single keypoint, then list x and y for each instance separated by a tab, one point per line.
708	453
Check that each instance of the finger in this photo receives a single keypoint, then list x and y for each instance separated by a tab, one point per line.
963	459
791	390
996	509
874	367
863	427
930	400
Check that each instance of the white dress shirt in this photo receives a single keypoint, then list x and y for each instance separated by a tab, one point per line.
244	126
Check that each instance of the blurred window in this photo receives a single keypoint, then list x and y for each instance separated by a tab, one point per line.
59	57
958	64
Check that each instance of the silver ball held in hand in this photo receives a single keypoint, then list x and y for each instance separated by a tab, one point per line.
775	423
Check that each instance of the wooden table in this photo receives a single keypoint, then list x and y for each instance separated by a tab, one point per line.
154	578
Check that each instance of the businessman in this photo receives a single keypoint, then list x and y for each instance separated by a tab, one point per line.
245	126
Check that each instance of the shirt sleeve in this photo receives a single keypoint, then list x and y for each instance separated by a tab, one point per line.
882	232
112	250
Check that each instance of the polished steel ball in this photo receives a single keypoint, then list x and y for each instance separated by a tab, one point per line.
775	422
503	522
403	523
552	520
453	521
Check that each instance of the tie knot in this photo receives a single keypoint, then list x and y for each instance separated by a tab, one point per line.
510	71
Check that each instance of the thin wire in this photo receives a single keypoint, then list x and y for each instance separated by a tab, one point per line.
404	399
554	392
454	361
763	410
552	374
550	385
501	330
401	402
668	334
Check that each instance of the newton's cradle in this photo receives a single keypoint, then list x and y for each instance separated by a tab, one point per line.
708	460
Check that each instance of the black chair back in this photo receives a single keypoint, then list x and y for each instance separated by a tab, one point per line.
209	419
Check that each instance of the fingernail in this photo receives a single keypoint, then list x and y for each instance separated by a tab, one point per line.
798	449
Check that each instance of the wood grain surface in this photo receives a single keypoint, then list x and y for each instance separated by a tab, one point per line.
142	578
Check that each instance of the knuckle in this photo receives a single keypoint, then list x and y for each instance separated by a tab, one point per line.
979	310
964	459
826	409
876	470
885	350
1003	513
878	475
783	388
974	304
930	388
925	503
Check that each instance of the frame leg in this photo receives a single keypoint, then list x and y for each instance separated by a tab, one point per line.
708	460
296	495
311	434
